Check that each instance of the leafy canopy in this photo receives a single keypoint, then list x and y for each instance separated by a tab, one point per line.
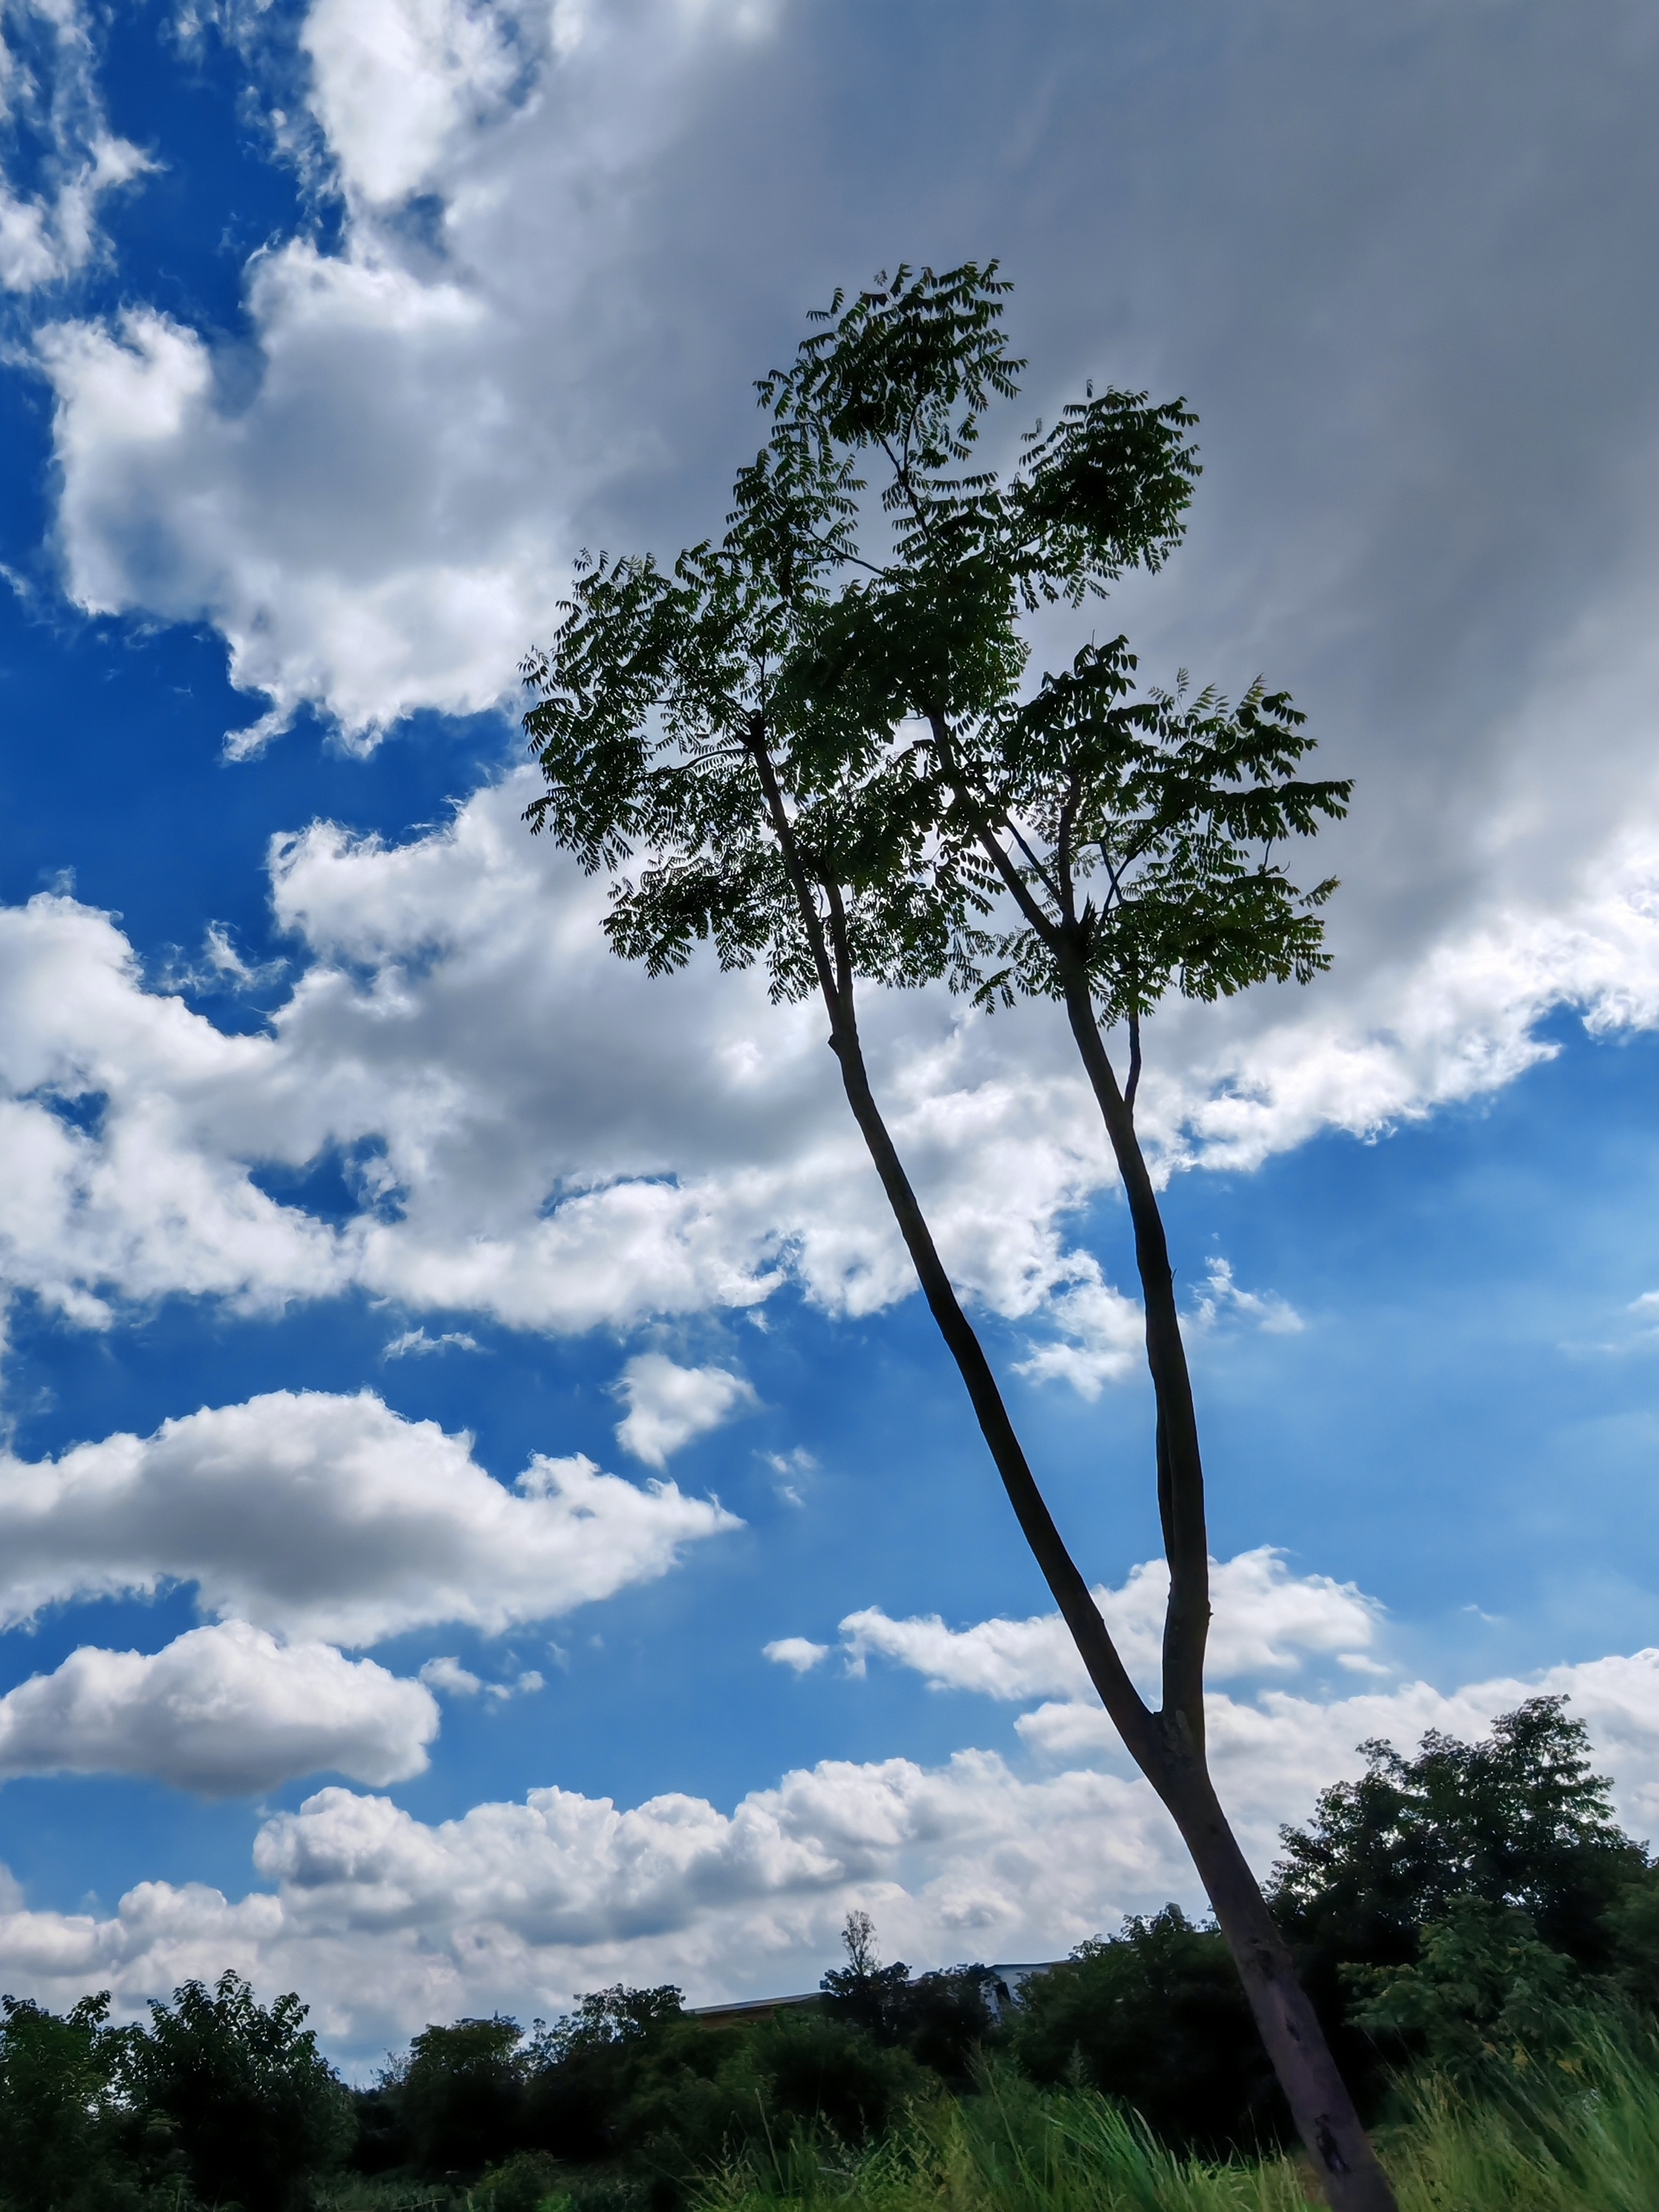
817	737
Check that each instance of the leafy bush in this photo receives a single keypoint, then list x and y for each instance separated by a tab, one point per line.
57	2119
1156	2017
459	2095
236	2092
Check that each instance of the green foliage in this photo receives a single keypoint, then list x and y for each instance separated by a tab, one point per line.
1450	1880
58	2117
1482	1984
237	2093
944	2019
1156	2017
1012	2148
529	2181
814	737
459	2095
1518	1819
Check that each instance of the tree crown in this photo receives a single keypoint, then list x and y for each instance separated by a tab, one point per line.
815	739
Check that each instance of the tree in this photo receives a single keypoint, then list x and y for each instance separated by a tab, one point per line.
1155	2016
944	2019
1518	1821
57	2120
816	740
459	2095
242	2091
864	1993
1438	1888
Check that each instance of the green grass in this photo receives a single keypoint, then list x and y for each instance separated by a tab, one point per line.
1579	2134
1573	2134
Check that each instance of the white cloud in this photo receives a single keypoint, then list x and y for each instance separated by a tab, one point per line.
397	81
796	1651
224	1712
415	1343
668	1404
1266	1621
384	1922
49	93
539	1135
1221	1296
320	1517
380	525
446	1673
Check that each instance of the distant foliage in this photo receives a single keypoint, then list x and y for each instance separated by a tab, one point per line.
1447	1903
236	2094
1156	2016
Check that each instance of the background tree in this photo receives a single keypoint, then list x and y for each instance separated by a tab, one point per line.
240	2092
817	737
1155	2016
459	2095
59	2123
1449	1900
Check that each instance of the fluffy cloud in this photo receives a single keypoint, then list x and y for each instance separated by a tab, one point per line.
225	1711
535	1135
797	1651
446	1673
318	1516
1267	1621
668	1404
446	403
541	1136
378	528
385	1922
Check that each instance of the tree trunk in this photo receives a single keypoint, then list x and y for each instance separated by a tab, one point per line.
1314	2088
1167	1746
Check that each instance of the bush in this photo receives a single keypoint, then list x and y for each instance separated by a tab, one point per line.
57	2119
1156	2017
237	2090
459	2095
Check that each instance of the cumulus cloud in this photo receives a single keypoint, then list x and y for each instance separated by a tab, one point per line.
412	372
378	521
224	1712
385	1922
796	1651
668	1404
533	1133
1267	1620
539	1135
310	1517
446	1673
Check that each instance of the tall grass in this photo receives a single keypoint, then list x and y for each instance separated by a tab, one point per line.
1573	2134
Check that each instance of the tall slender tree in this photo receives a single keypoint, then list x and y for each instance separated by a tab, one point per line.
815	744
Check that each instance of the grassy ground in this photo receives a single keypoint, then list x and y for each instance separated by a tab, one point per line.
1574	2134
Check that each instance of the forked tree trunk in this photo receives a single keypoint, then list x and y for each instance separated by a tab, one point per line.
1167	1747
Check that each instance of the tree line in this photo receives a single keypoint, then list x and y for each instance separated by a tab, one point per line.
1467	1904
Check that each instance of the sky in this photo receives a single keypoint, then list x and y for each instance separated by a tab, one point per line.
484	1513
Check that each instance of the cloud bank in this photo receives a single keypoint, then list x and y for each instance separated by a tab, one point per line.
320	1517
539	1136
385	1921
225	1711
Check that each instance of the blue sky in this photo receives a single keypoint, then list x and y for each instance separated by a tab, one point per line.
344	1180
